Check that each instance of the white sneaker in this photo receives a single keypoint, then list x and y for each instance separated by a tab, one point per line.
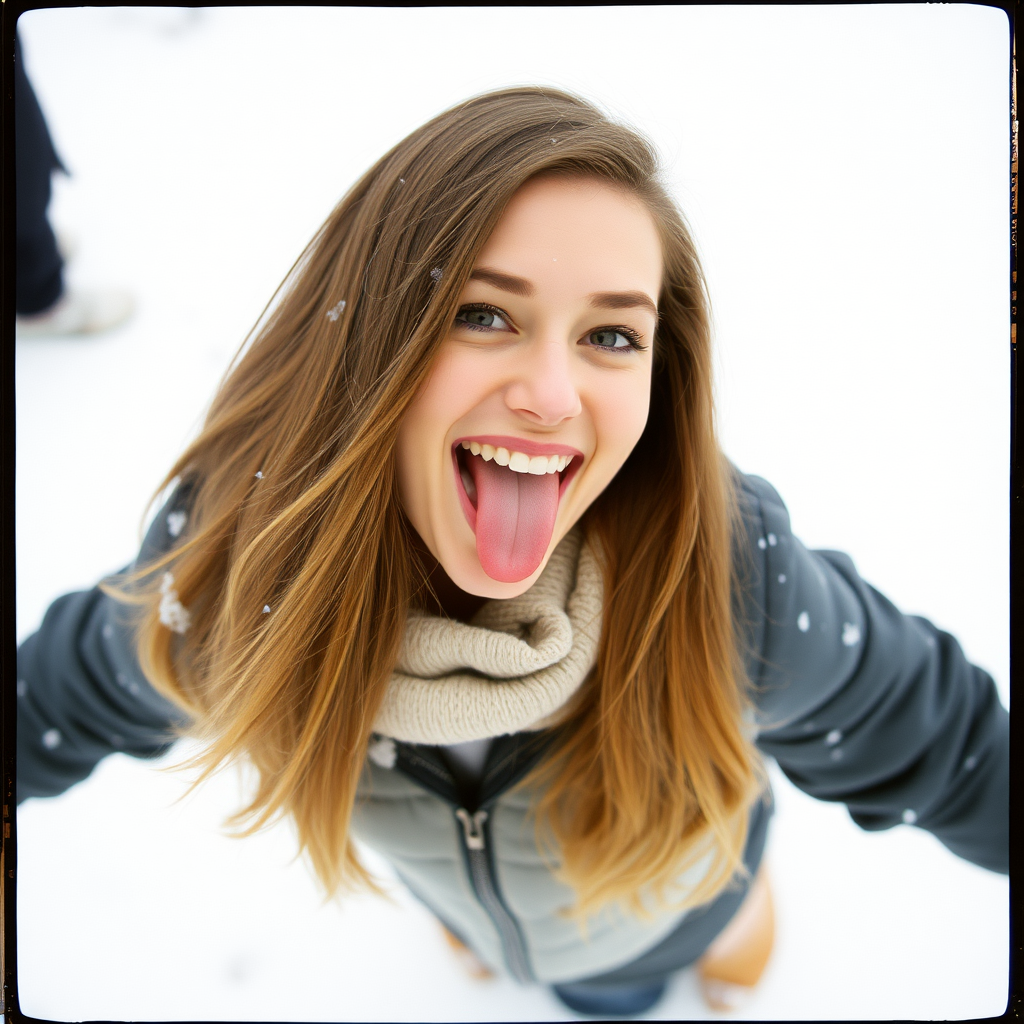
67	244
86	312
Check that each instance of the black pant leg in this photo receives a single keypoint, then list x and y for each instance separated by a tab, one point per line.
39	277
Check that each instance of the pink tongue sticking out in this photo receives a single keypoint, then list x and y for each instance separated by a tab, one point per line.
515	517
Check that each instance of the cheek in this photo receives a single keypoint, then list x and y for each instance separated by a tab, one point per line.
621	415
448	393
417	437
444	395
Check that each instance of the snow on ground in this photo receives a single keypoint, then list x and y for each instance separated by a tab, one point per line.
844	171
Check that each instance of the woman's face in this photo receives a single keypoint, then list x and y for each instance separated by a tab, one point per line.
548	357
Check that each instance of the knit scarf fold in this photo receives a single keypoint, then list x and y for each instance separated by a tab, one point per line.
510	669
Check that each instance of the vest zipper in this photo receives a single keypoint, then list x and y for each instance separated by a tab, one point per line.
484	883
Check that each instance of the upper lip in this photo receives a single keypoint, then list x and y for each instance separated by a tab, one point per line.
519	444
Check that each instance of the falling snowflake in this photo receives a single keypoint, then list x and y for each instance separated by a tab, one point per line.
382	752
909	816
851	633
51	738
176	522
782	577
833	738
970	763
762	543
803	622
22	687
772	539
108	630
173	614
837	754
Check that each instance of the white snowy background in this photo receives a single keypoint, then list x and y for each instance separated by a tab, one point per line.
844	169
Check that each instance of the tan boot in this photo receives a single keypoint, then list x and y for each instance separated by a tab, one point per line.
474	966
735	961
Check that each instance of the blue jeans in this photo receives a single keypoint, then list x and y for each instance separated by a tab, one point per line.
609	1000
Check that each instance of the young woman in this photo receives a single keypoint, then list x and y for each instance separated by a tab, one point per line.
456	563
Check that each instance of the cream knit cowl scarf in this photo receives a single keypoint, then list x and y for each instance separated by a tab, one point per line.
510	669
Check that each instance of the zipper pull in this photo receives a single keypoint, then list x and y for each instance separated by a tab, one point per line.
472	827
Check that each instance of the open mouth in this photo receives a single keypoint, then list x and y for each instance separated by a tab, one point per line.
513	456
510	490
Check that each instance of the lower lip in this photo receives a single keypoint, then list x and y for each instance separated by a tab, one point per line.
468	508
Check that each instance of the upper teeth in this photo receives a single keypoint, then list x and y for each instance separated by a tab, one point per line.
518	462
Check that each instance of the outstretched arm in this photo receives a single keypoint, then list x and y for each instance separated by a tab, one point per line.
81	693
862	704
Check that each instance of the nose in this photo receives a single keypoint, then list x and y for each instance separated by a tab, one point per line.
544	390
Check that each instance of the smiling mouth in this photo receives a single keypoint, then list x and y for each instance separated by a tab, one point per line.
565	462
510	497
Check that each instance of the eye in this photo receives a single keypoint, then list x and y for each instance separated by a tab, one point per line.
482	318
615	339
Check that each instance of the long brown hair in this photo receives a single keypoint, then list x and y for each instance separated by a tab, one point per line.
295	509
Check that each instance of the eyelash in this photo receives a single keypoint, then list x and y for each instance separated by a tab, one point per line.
627	332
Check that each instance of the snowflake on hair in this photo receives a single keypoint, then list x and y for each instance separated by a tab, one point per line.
335	311
436	274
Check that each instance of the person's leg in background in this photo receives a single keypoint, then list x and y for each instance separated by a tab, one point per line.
40	268
43	305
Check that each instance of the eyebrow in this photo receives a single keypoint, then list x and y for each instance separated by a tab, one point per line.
598	300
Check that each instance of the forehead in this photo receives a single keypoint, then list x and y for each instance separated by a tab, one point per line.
558	226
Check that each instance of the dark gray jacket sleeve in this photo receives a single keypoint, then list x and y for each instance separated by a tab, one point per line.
80	692
861	704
